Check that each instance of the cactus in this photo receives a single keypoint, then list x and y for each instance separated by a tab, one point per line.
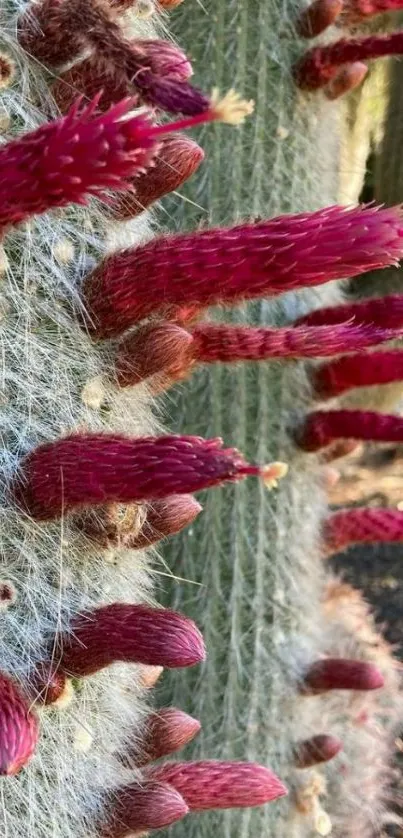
89	476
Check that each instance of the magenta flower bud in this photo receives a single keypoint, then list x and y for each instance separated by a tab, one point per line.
384	312
18	729
136	809
321	748
71	158
116	469
317	17
362	526
245	262
343	374
320	64
164	58
220	785
110	526
177	159
348	78
341	674
167	730
322	428
129	633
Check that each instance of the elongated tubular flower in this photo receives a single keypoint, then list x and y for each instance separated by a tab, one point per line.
348	78
220	785
130	633
320	64
323	427
244	262
18	728
177	160
117	469
343	374
169	351
71	158
320	748
341	674
167	731
361	526
135	809
385	312
317	17
138	529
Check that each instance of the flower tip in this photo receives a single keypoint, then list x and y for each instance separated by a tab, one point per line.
231	108
272	472
346	80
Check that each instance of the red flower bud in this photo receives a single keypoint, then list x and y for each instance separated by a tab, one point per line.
131	633
317	17
18	729
135	528
320	64
91	77
340	448
135	809
385	312
46	685
177	160
115	469
362	526
347	79
220	785
47	31
318	749
368	370
249	261
321	428
341	674
167	730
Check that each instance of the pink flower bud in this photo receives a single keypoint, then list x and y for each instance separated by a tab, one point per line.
347	79
246	262
342	374
321	748
71	158
340	448
135	809
385	312
317	17
167	730
18	729
162	348
177	160
320	64
321	428
362	526
116	469
341	674
110	526
130	633
220	785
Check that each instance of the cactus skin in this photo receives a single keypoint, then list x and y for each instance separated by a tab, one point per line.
262	593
